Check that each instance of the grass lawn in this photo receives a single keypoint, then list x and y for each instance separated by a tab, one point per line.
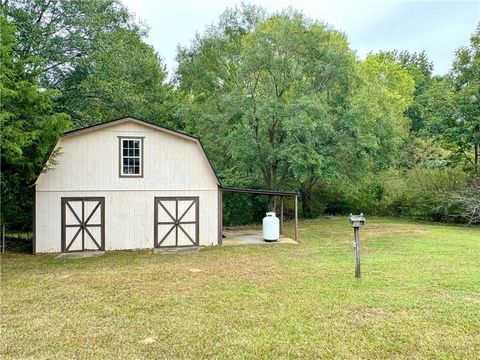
419	297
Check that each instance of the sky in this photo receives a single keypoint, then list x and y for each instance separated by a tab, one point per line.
438	27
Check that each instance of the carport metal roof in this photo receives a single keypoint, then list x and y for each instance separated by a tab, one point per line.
260	192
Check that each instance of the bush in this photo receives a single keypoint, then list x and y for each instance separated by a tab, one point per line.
468	202
424	193
433	194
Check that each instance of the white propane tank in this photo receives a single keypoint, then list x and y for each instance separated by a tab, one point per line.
271	227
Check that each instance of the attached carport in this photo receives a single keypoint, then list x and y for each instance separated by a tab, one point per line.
281	194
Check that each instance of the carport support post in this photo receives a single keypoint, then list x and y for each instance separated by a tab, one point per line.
296	218
281	214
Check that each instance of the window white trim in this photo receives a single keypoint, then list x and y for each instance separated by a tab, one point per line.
130	156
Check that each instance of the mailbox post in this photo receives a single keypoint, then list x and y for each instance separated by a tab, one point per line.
356	221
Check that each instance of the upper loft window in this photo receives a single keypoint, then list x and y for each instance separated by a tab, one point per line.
131	157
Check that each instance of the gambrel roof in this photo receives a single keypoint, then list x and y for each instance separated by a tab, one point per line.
151	125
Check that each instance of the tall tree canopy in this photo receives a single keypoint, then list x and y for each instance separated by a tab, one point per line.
378	107
93	52
270	88
281	101
453	106
28	122
121	76
62	33
466	79
421	69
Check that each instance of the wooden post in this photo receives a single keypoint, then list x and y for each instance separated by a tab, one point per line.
356	246
281	214
296	218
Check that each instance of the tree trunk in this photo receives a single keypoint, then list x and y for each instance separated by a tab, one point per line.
306	210
306	190
476	150
272	204
270	178
475	161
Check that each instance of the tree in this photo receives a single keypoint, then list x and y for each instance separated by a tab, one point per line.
420	68
452	106
466	77
63	33
93	53
378	107
29	126
265	92
121	76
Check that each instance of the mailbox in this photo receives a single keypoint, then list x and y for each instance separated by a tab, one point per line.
356	220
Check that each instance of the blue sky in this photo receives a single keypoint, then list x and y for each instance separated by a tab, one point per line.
438	27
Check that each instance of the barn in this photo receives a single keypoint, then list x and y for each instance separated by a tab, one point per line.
127	184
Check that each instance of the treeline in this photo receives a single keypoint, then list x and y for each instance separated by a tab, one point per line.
279	100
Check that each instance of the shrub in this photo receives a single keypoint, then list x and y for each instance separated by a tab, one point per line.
468	202
424	193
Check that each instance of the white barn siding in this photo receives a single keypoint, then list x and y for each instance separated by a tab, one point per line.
126	227
89	167
90	162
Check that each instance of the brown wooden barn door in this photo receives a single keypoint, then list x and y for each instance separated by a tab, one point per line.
83	224
176	221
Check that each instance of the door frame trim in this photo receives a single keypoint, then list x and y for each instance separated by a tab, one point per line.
156	200
64	201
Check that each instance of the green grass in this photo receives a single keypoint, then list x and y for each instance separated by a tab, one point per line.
419	297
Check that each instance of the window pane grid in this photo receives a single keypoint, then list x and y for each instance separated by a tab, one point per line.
131	157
